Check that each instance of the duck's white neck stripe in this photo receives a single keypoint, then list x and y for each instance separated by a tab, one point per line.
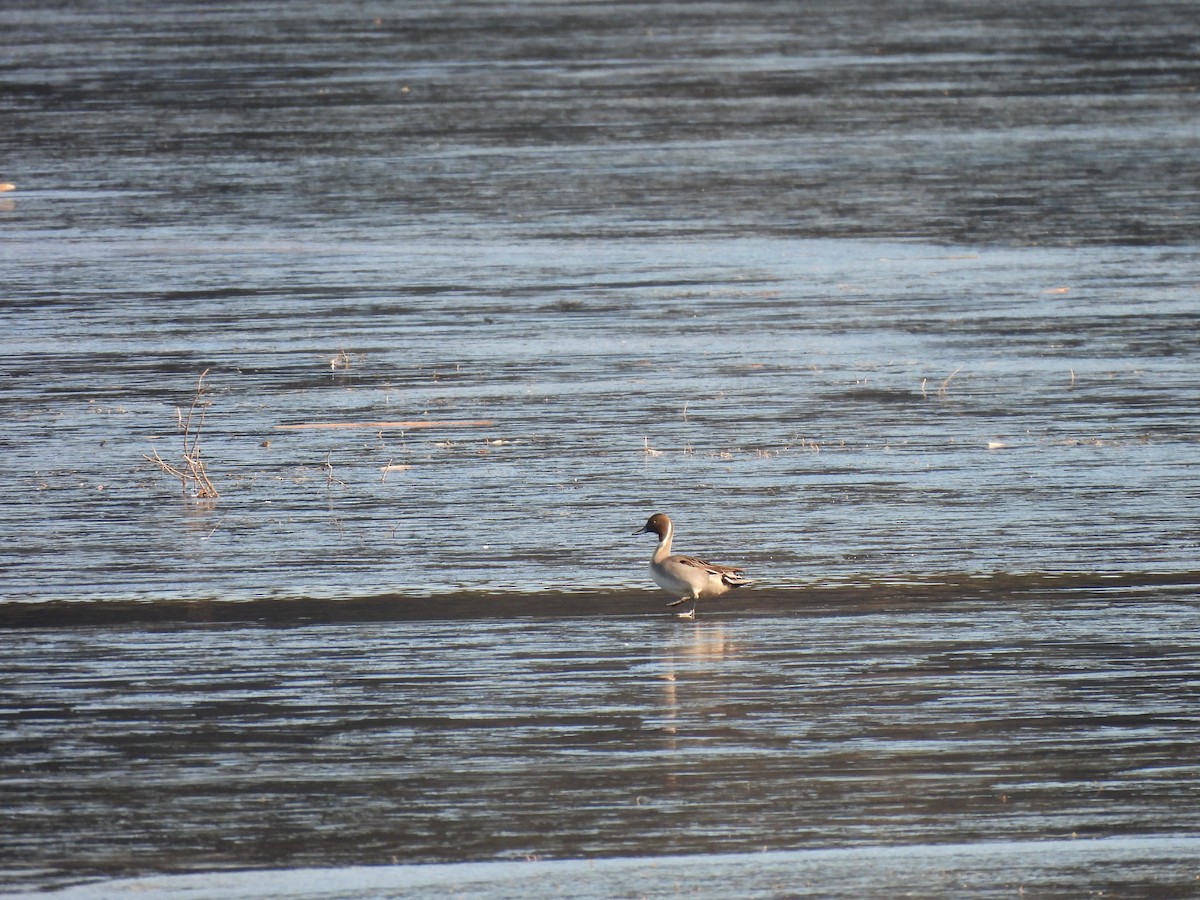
664	542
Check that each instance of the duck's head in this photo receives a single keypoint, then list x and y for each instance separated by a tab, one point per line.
658	524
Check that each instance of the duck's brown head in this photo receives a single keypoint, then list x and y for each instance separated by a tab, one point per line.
658	524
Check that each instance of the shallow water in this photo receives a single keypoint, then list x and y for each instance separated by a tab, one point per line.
815	411
893	304
882	284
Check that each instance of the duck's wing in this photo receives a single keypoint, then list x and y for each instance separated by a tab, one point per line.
712	568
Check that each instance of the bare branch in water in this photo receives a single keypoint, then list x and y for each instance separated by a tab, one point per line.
192	473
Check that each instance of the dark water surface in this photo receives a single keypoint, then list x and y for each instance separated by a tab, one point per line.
128	750
894	304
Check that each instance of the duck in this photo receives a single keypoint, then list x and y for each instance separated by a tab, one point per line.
685	576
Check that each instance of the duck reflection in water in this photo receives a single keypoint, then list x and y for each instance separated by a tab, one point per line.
688	662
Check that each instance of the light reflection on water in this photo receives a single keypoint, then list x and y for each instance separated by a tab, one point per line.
884	412
992	869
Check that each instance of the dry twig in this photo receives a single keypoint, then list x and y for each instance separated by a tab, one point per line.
192	472
945	384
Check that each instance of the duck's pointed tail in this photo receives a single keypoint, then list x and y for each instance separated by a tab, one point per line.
736	580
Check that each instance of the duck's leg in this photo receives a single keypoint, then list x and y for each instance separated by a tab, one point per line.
691	613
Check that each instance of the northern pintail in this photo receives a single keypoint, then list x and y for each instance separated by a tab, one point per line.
685	576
